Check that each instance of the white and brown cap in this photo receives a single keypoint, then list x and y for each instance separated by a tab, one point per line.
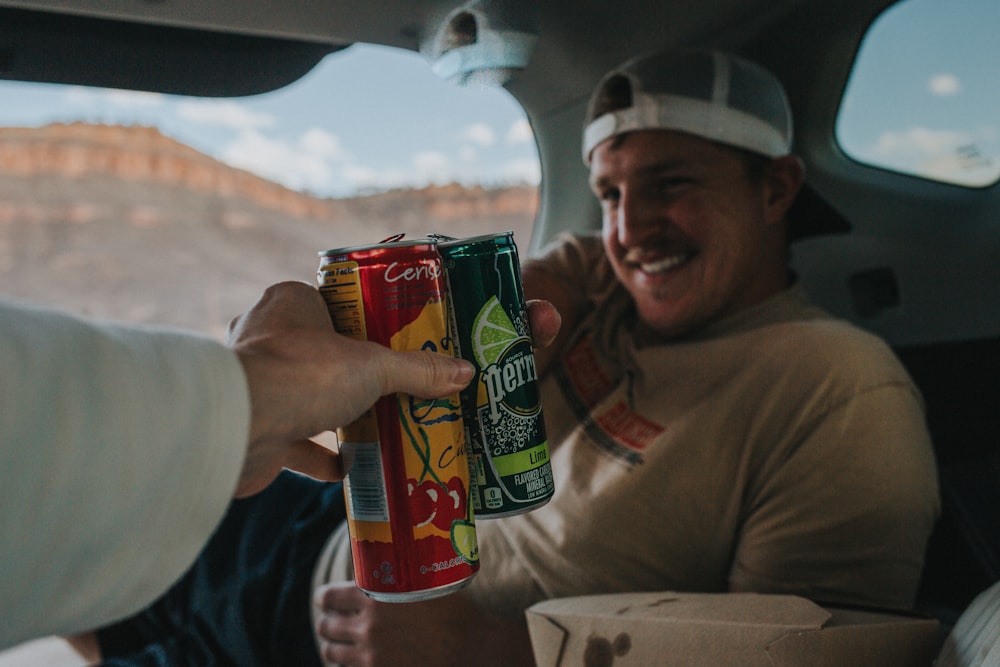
709	94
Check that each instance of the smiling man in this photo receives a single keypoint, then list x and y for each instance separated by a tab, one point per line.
691	229
694	190
709	429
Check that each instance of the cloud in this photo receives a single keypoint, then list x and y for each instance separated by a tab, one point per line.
286	163
361	177
424	168
121	99
468	154
524	170
356	177
317	161
224	113
943	85
948	155
479	133
130	99
917	143
321	143
432	167
520	132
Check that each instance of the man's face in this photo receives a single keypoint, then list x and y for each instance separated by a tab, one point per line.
690	235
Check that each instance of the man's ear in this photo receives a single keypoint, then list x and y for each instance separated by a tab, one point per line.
785	179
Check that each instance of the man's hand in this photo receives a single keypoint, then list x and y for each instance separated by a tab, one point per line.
448	631
304	379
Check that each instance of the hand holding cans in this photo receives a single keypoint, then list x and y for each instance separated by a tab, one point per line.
409	489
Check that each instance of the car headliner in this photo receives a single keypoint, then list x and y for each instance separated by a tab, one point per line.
897	222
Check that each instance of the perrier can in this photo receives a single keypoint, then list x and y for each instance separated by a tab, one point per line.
510	468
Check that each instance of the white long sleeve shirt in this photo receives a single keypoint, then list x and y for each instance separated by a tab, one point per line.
120	448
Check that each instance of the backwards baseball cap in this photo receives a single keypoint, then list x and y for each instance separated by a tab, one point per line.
709	94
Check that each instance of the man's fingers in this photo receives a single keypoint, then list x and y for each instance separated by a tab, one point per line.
432	375
339	598
425	374
336	653
315	460
545	322
290	304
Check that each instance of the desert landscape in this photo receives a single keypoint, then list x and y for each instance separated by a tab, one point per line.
126	223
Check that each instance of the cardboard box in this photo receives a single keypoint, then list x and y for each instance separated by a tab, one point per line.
720	630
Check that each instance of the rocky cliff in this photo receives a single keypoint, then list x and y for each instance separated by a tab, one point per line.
124	222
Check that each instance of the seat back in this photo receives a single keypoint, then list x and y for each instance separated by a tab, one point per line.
975	639
960	383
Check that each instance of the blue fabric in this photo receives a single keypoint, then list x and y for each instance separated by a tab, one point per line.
245	601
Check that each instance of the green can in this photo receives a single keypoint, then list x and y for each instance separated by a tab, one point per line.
510	468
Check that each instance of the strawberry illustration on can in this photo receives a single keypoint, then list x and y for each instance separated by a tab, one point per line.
411	522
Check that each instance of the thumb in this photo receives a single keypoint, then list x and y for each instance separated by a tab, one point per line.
424	374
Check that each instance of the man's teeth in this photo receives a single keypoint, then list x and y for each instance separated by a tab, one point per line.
663	264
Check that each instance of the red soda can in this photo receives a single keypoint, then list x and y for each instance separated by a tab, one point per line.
413	536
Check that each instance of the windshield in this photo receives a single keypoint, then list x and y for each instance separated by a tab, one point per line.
180	210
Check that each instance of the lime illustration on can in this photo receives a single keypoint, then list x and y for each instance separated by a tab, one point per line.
511	472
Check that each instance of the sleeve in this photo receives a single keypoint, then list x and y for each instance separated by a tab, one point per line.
576	262
120	448
847	515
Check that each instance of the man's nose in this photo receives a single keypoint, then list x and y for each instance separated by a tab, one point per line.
636	221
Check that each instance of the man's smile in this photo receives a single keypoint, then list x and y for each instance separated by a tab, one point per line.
659	264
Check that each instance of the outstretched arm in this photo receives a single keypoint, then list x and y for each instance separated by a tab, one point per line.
304	379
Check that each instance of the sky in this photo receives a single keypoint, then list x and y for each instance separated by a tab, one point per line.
925	93
924	98
365	118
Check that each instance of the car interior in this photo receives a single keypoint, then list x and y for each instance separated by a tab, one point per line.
913	257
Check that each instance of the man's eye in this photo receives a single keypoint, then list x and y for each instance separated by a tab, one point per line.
669	188
673	182
609	195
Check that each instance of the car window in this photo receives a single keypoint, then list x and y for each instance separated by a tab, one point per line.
923	97
180	210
